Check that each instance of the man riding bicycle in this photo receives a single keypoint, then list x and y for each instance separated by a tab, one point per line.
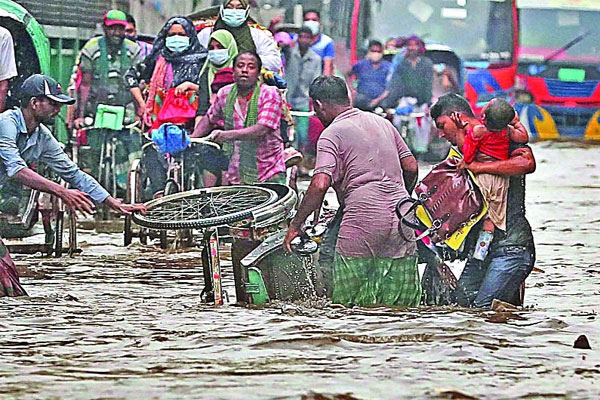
104	61
413	78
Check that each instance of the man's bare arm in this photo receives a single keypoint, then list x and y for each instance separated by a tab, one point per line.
83	93
328	66
314	198
521	162
252	132
410	172
203	128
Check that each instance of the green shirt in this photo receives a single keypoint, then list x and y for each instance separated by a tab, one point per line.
110	89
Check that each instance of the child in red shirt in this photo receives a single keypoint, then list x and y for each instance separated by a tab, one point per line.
486	143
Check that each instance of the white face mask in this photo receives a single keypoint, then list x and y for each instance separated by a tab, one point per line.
219	56
234	17
314	26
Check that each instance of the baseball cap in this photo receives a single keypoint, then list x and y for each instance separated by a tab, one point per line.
114	17
41	85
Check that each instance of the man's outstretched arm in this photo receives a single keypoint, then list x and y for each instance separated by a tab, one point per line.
312	201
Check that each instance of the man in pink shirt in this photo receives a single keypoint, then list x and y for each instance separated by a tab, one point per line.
363	157
251	111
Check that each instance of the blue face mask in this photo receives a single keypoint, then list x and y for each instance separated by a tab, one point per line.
177	43
218	57
234	18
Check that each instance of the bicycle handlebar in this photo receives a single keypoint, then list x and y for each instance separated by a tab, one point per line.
206	142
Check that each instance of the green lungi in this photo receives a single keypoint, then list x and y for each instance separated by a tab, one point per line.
372	281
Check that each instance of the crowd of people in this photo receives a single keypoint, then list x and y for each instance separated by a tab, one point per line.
230	71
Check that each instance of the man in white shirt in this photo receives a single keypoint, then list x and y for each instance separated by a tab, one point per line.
8	66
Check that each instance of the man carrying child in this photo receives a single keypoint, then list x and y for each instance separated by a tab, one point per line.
511	254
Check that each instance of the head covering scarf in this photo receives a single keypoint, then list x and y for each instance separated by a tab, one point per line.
228	42
241	33
187	63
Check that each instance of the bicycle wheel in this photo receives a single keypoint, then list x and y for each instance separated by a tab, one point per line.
205	207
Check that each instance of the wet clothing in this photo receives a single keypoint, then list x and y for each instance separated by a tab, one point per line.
499	277
301	71
18	149
494	189
374	281
371	77
409	81
361	152
9	277
262	39
518	231
490	147
107	67
269	149
511	256
493	144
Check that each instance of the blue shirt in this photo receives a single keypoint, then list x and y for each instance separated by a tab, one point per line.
18	149
324	47
371	81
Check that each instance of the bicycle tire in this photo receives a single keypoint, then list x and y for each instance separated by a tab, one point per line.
160	211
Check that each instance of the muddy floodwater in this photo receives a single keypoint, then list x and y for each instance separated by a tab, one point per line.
118	322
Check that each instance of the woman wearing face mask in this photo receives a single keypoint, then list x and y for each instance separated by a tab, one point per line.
371	74
176	60
221	52
233	17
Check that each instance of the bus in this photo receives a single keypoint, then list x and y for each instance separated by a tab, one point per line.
483	33
558	78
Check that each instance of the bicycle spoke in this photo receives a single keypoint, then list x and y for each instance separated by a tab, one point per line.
207	205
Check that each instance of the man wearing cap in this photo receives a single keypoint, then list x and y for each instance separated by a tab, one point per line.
25	140
103	63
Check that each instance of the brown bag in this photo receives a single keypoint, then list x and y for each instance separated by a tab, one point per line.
450	198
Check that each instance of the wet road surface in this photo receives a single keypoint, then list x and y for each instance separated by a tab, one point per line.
128	323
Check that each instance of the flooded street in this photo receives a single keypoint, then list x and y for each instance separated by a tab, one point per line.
120	322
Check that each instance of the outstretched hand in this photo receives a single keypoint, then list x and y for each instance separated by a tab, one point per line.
77	201
124	209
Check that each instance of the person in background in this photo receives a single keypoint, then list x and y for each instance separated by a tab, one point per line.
217	73
131	34
233	17
285	42
102	64
371	169
25	140
8	66
221	52
323	45
413	79
176	60
371	74
303	67
390	51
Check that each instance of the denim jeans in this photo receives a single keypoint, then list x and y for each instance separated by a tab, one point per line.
499	276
